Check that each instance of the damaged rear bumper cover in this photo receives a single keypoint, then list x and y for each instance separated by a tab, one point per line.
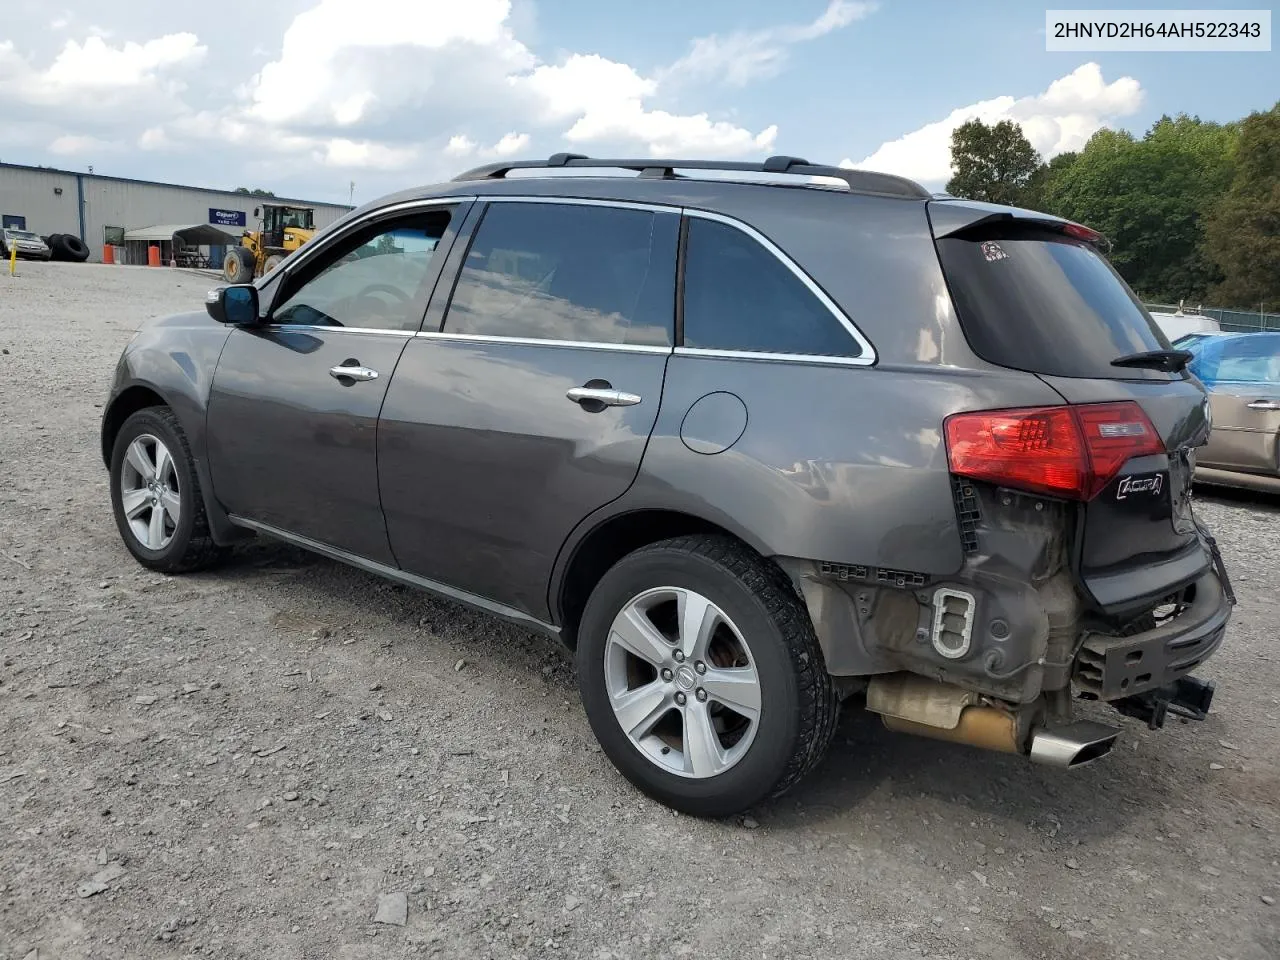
1111	667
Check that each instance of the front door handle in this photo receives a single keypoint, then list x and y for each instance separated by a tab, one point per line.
351	370
606	396
1264	405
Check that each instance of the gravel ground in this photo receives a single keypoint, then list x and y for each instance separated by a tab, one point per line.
253	762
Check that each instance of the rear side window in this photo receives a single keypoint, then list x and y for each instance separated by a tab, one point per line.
739	296
1039	301
591	274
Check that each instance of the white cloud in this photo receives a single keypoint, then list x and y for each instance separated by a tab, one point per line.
511	143
94	81
69	144
385	86
746	55
669	135
1062	118
460	145
364	154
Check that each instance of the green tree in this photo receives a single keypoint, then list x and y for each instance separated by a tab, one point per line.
1242	236
255	192
1150	198
995	163
1034	197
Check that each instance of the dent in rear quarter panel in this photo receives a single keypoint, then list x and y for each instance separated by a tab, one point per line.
837	463
176	357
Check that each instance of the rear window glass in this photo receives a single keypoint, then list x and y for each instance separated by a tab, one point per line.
1039	301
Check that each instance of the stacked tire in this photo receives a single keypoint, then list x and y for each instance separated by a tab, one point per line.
65	246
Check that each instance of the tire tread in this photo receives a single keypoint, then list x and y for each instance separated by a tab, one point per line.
819	704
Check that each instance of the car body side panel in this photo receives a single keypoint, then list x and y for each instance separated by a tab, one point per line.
845	483
176	357
1244	438
486	466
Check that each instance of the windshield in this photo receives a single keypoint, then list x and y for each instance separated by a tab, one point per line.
22	234
1034	299
300	219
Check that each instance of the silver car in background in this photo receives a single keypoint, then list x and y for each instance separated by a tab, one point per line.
1242	374
28	244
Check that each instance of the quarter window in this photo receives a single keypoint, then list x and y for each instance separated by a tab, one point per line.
584	273
371	279
739	296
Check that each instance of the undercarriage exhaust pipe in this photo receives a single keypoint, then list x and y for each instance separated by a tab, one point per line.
917	705
1073	745
984	727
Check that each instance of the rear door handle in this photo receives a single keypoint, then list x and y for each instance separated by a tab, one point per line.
352	372
1264	405
608	396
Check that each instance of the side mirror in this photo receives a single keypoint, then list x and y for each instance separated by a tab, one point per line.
236	305
257	211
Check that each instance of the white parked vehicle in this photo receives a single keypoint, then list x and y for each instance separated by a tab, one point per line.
1179	324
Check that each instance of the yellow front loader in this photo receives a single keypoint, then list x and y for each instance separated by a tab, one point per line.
282	230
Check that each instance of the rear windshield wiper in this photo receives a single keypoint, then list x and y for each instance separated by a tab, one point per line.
1169	361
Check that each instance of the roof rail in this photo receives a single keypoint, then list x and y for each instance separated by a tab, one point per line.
859	181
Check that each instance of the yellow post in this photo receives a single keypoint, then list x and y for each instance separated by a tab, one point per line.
13	261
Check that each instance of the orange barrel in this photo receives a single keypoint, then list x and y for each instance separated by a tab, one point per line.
153	256
108	254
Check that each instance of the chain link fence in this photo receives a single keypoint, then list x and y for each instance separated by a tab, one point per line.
1233	321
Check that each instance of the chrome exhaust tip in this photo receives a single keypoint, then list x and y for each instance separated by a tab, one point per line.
1073	745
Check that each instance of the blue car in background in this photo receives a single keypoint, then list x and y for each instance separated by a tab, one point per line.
1242	374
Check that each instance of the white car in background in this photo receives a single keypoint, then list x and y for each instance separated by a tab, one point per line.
1179	324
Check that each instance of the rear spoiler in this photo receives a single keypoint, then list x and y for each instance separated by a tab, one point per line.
949	217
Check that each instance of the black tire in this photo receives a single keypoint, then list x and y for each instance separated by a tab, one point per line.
799	707
273	261
237	266
72	248
192	547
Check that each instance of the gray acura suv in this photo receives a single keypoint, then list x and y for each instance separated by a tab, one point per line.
752	440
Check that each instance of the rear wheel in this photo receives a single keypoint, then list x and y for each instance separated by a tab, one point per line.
273	261
237	266
156	497
701	676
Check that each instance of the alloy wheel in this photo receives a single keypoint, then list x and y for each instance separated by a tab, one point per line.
682	682
150	492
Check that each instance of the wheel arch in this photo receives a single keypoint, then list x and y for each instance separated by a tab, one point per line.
600	543
139	395
126	403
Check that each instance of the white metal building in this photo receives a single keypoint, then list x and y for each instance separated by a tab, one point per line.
100	209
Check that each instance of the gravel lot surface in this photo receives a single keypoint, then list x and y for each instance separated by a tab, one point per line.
255	762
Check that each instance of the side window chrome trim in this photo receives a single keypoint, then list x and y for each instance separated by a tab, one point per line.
378	331
306	253
544	342
674	210
812	359
868	355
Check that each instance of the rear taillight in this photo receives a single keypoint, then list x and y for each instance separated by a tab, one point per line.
1068	451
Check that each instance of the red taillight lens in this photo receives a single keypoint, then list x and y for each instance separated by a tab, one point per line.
1070	451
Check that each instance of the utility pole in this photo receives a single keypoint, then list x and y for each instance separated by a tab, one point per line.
351	193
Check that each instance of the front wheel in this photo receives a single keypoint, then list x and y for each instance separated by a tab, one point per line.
156	497
702	677
237	265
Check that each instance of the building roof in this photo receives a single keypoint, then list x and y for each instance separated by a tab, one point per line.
173	186
194	234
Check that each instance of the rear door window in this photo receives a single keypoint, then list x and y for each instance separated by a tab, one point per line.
739	296
569	272
1037	300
